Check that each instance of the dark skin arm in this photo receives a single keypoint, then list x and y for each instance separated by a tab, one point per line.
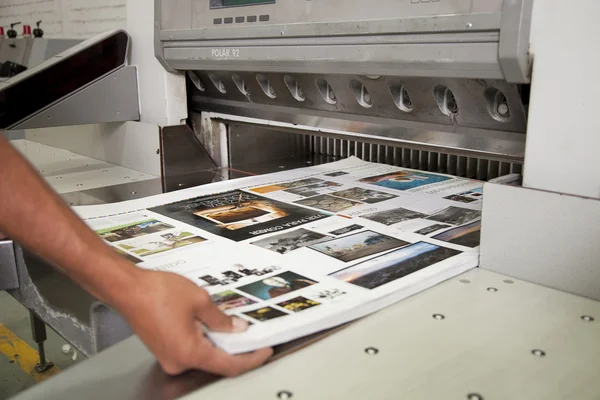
165	310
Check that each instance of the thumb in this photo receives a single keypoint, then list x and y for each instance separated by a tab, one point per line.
215	319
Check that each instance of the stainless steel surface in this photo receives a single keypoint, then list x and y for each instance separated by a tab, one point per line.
476	109
8	266
251	144
554	235
114	98
248	139
484	345
477	130
185	161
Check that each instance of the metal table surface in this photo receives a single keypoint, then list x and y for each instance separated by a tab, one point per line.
499	338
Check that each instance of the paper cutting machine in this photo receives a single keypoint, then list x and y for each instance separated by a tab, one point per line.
473	88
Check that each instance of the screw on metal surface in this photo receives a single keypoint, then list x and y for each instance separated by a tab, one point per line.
133	192
79	184
538	353
474	396
371	351
284	395
587	318
126	177
180	185
492	289
469	25
439	317
508	281
465	281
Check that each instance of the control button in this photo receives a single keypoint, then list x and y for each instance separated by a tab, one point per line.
264	18
239	20
218	21
251	18
229	20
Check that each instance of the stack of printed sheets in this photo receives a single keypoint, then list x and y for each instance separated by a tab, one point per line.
297	252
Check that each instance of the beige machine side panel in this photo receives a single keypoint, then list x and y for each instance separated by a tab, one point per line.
546	238
563	137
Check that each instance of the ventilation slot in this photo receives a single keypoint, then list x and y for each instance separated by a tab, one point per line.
446	101
265	85
239	83
196	81
326	91
294	88
219	85
497	105
362	95
401	98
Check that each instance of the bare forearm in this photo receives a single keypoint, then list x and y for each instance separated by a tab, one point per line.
34	216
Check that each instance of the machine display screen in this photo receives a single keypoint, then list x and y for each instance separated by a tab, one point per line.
237	3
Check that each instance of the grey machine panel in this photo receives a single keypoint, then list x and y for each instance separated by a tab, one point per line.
446	38
451	75
90	105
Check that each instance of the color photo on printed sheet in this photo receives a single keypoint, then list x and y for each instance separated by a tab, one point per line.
358	245
238	215
265	314
389	267
298	304
278	285
404	180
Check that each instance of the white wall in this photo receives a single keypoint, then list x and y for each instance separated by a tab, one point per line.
65	18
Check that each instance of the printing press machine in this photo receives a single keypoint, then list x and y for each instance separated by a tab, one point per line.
198	91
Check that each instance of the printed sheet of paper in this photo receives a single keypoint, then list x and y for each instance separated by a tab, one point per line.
300	251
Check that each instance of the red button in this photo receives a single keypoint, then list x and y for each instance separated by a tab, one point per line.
26	30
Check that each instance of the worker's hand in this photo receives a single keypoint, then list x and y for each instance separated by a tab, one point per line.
166	311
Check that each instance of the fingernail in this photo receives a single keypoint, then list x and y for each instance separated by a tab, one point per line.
239	325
